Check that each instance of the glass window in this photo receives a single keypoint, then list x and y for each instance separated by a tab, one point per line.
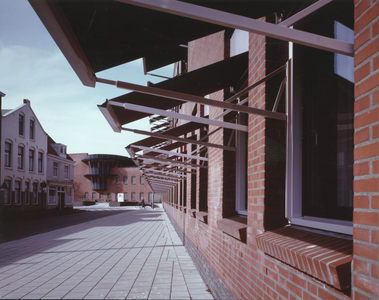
31	160
27	192
133	196
40	162
101	196
93	195
125	196
66	172
55	169
133	180
35	193
322	113
7	192
125	180
151	197
31	129
8	154
20	158
109	197
21	125
141	195
142	180
17	192
117	180
51	195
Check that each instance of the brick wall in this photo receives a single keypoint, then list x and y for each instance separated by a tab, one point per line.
366	152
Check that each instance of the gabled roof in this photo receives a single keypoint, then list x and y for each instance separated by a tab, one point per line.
51	150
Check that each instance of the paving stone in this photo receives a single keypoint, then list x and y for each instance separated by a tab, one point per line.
103	258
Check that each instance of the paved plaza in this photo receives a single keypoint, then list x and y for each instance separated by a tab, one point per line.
134	254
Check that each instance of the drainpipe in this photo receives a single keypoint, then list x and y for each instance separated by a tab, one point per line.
1	142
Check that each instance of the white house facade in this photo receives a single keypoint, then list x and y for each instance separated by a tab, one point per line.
60	176
24	144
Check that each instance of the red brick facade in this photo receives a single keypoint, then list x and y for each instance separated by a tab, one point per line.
264	259
83	188
366	152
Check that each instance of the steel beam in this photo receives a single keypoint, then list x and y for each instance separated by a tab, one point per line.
230	20
169	152
155	111
175	138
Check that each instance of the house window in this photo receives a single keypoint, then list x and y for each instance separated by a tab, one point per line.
133	196
55	169
35	193
17	192
133	180
27	193
142	180
52	195
151	197
66	172
8	154
93	195
125	180
101	196
117	180
125	196
31	160
21	125
141	196
241	168
31	129
109	196
7	192
20	158
40	162
86	196
320	156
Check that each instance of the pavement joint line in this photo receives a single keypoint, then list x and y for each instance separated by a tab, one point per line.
146	258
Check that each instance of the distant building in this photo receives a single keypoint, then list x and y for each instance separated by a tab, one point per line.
60	176
25	165
106	178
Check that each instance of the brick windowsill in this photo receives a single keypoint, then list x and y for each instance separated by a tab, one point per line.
203	216
326	258
193	213
235	226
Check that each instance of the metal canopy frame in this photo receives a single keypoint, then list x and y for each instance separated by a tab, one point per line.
170	152
230	20
176	138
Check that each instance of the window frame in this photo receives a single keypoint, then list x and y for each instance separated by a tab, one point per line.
27	192
125	180
7	192
294	166
142	180
66	172
40	162
8	155
134	180
20	157
21	124
31	129
55	169
35	193
31	160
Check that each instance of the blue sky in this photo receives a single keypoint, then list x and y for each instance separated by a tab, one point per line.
32	67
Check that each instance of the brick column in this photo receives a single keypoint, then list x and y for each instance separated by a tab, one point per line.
366	150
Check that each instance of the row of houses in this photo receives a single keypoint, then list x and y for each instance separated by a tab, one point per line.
269	165
38	173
